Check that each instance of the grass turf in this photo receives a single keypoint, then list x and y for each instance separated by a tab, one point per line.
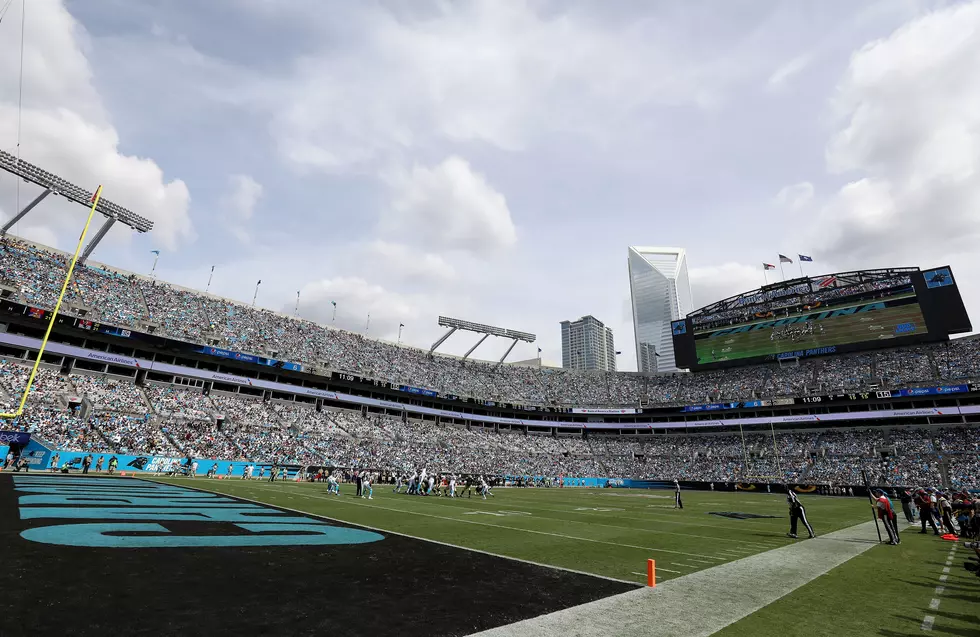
886	591
605	532
612	532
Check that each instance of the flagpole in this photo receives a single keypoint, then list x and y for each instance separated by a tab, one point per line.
367	326
765	277
781	272
801	268
256	295
156	258
334	319
210	276
296	311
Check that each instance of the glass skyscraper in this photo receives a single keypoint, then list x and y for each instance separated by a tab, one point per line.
661	292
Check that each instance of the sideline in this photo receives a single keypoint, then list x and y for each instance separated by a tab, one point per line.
702	603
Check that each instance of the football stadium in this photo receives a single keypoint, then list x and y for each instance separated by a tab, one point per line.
174	461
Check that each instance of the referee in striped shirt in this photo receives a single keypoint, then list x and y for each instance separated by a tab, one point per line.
797	513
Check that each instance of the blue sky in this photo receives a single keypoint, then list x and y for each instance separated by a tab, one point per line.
493	160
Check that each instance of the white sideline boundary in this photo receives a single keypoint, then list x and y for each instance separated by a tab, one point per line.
702	603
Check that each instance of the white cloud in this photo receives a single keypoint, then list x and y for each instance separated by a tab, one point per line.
795	197
401	261
496	73
714	283
782	75
244	194
909	107
356	299
450	207
64	128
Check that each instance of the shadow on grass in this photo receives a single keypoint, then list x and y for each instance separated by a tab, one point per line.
936	627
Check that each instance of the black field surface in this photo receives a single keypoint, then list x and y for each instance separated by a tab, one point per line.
385	585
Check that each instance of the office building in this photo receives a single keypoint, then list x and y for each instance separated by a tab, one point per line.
587	344
660	291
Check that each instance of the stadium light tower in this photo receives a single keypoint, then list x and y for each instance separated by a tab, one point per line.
480	328
52	184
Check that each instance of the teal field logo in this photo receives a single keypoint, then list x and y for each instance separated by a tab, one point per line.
129	513
741	516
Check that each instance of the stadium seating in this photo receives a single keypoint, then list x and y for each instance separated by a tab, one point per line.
181	421
125	300
178	420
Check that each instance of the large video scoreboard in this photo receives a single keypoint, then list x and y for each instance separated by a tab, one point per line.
811	317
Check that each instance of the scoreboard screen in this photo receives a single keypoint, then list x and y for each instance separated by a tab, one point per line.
816	332
828	315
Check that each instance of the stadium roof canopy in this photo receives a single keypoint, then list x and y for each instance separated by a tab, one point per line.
53	184
800	285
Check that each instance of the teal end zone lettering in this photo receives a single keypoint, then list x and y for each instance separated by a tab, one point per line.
871	307
169	493
763	325
94	535
720	333
242	513
846	311
789	321
185	500
740	330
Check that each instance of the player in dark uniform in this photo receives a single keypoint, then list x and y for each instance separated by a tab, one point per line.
797	513
467	489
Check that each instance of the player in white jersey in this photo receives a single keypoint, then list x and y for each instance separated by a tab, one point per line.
484	488
413	484
332	485
366	490
398	484
432	481
452	486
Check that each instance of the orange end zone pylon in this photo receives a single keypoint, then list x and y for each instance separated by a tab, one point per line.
652	573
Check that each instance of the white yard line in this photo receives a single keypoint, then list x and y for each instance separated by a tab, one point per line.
358	503
717	596
928	622
423	539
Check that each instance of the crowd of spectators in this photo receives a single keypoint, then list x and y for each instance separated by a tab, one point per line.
182	420
126	300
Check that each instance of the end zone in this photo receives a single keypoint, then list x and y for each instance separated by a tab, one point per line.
89	555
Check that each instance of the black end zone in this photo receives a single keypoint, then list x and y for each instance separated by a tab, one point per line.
394	586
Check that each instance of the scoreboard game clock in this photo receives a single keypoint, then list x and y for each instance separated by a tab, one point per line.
845	398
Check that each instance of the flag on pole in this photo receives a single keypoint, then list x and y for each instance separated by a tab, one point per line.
803	257
401	325
156	252
334	303
784	259
768	266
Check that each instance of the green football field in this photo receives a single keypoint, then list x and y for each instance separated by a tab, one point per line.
842	583
839	330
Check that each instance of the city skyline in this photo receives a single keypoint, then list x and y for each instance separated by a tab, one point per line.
587	343
660	292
